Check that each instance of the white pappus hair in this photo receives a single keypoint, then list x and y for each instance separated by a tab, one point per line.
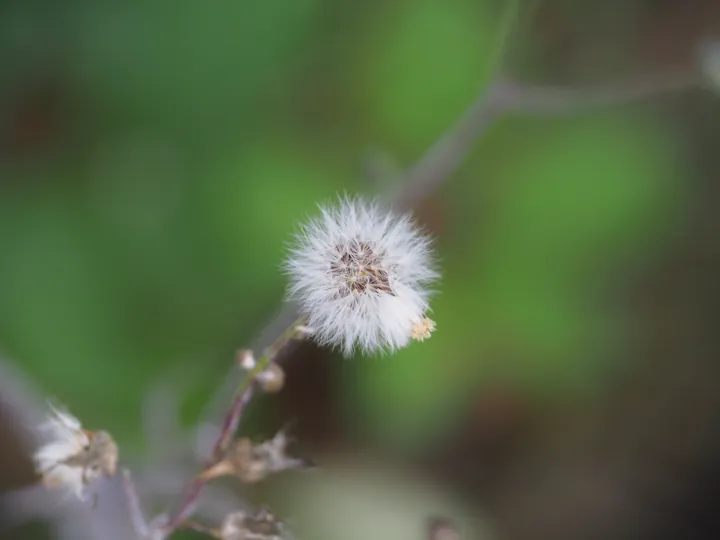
361	274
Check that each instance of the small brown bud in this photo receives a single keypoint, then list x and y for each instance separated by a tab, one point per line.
245	359
272	379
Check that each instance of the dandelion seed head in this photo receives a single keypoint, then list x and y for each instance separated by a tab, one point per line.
361	275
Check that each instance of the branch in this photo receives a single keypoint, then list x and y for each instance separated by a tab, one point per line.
503	98
446	155
557	101
243	396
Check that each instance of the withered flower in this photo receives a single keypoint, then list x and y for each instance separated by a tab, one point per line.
72	458
254	462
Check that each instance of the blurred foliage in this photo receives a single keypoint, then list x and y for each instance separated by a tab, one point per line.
143	228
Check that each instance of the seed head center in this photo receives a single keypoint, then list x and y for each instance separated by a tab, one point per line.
358	269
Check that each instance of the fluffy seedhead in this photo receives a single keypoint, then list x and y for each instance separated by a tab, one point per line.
361	275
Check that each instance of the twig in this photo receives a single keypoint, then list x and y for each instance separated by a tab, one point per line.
504	98
243	395
448	153
133	502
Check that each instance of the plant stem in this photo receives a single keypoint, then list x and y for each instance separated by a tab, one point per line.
243	395
133	502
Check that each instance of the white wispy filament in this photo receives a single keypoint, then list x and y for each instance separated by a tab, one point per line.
361	275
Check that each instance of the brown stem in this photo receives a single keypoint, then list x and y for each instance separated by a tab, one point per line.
557	101
243	396
133	502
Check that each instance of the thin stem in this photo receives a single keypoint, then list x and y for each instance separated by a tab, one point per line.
446	155
504	98
243	395
507	24
199	527
558	101
450	151
133	502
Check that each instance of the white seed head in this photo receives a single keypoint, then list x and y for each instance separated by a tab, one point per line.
361	276
73	457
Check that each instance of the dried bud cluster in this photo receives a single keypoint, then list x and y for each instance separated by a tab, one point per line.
262	526
72	457
361	277
253	463
271	380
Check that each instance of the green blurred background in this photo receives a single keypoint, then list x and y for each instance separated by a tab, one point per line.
156	156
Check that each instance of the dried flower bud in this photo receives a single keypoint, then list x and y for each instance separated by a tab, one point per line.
253	463
272	379
73	457
262	526
245	359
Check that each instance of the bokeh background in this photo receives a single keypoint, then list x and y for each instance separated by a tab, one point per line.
155	157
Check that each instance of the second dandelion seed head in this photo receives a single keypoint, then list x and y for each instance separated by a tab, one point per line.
361	275
72	457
